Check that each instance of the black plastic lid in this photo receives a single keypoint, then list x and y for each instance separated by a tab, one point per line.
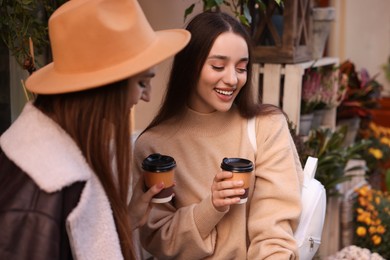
158	163
236	165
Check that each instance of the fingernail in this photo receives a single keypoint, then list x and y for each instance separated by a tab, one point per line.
160	185
240	182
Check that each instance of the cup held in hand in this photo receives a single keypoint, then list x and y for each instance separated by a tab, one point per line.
159	168
241	169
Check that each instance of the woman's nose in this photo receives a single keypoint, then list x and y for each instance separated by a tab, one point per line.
146	94
230	77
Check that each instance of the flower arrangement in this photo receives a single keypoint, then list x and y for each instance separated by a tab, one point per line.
372	220
377	157
322	88
310	91
362	92
379	152
354	252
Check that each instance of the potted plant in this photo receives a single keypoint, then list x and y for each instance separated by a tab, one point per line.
242	9
381	113
322	90
310	99
333	156
323	16
280	29
362	94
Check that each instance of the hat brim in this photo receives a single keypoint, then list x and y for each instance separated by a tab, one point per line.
48	81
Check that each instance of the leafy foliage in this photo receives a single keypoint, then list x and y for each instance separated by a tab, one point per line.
386	69
22	19
240	8
362	92
333	156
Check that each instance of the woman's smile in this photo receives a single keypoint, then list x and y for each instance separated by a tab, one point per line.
223	74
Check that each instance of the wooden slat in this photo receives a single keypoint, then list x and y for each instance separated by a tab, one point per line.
292	88
271	86
255	81
292	93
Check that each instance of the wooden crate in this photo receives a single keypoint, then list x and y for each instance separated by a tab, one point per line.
281	85
283	36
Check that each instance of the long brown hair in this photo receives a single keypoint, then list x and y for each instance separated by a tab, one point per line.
187	66
98	120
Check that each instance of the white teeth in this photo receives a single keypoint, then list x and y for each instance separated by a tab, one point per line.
224	92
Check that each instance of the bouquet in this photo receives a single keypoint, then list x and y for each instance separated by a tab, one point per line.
372	220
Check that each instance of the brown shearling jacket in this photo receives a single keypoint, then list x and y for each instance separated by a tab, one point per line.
48	191
32	221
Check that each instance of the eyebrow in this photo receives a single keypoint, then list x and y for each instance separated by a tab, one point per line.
221	57
149	75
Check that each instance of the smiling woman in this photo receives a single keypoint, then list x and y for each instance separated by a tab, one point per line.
222	76
204	119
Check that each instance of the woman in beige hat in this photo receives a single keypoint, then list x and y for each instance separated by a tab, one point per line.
64	163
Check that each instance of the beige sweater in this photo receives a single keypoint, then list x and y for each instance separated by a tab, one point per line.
190	227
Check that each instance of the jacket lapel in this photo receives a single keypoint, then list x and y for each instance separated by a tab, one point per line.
44	151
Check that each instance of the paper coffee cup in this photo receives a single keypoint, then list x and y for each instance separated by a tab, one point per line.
159	168
241	169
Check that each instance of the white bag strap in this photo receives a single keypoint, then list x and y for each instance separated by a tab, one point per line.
252	132
311	163
310	168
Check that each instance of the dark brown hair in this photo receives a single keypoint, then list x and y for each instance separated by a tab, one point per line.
187	66
98	120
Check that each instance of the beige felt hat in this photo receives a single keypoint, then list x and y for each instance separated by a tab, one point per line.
96	42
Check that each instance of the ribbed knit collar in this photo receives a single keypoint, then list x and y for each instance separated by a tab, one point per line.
208	124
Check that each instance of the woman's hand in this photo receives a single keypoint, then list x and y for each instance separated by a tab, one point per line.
140	205
225	192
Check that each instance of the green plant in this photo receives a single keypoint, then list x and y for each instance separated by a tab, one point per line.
21	20
386	69
332	155
242	9
387	179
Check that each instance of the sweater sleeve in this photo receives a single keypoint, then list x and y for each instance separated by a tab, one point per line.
185	233
275	205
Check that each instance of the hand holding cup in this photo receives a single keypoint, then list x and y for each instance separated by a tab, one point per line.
231	186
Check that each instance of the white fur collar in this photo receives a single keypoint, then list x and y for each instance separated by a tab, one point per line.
50	157
44	151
